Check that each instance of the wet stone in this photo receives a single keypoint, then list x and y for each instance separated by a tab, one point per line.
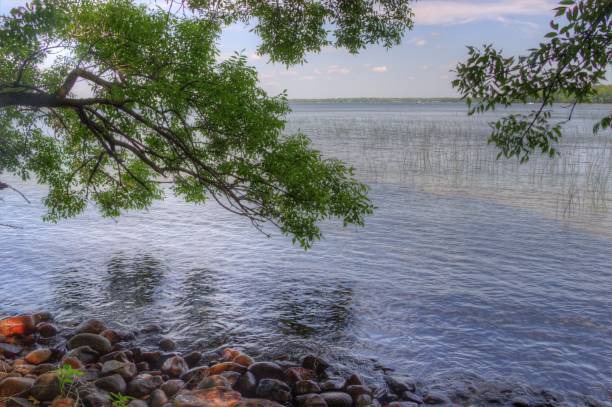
112	384
337	399
167	345
96	342
143	384
138	403
171	387
402	404
295	374
409	396
310	400
400	384
333	384
158	398
243	360
356	390
306	386
46	387
91	326
193	358
227	366
38	356
175	367
267	370
196	374
214	381
112	336
84	353
435	397
19	402
120	355
273	389
314	363
10	350
47	330
362	400
64	402
127	370
15	386
354	380
257	403
520	402
247	384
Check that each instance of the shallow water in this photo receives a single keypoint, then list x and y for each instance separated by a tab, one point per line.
469	269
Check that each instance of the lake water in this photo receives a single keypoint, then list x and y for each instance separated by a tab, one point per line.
472	271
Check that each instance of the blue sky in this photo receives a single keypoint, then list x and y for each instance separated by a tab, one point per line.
419	67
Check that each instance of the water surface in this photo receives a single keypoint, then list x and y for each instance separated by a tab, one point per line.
470	270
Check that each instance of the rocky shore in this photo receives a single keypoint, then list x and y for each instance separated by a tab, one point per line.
90	364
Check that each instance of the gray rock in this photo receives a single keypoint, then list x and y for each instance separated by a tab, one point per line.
337	399
400	384
310	400
362	400
314	363
435	397
409	396
98	343
84	353
175	367
357	389
267	370
273	389
196	374
247	385
158	398
167	345
257	403
520	402
127	370
333	384
91	326
9	350
171	387
306	387
143	385
112	384
91	396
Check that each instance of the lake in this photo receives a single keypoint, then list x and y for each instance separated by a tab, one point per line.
471	272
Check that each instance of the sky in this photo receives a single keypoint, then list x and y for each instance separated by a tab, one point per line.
420	67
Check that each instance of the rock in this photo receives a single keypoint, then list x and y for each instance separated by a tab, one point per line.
434	397
98	343
4	366
196	374
295	374
65	402
19	402
143	367
143	384
167	345
112	384
73	362
10	350
150	329
46	330
175	367
410	396
127	370
38	356
154	359
354	380
314	363
158	398
333	384
267	370
171	387
357	390
337	399
42	316
193	358
257	403
400	384
91	396
84	353
214	381
243	360
213	397
306	386
112	336
46	387
229	354
227	366
231	377
273	389
247	384
91	326
362	400
123	355
20	325
138	403
15	386
43	368
402	404
520	402
310	400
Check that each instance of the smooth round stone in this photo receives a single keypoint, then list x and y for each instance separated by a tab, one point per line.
15	386
295	374
143	385
167	345
84	353
112	336
43	368
227	366
158	398
267	370
333	384
410	396
337	399
38	356
10	350
434	397
19	402
244	360
362	400
123	355
193	358
400	384
138	403
96	342
356	390
127	370
214	381
175	367
46	387
112	384
402	404
273	389
47	330
306	387
314	363
310	400
247	384
91	326
196	374
171	387
257	403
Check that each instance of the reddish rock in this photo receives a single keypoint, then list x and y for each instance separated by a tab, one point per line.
19	325
46	387
112	336
73	362
214	397
244	360
214	381
257	403
196	374
227	366
65	402
229	353
38	356
232	377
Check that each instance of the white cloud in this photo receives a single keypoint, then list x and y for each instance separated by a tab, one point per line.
335	70
379	69
418	42
445	12
255	57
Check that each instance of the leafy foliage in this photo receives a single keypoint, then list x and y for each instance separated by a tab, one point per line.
66	376
108	101
571	63
120	400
